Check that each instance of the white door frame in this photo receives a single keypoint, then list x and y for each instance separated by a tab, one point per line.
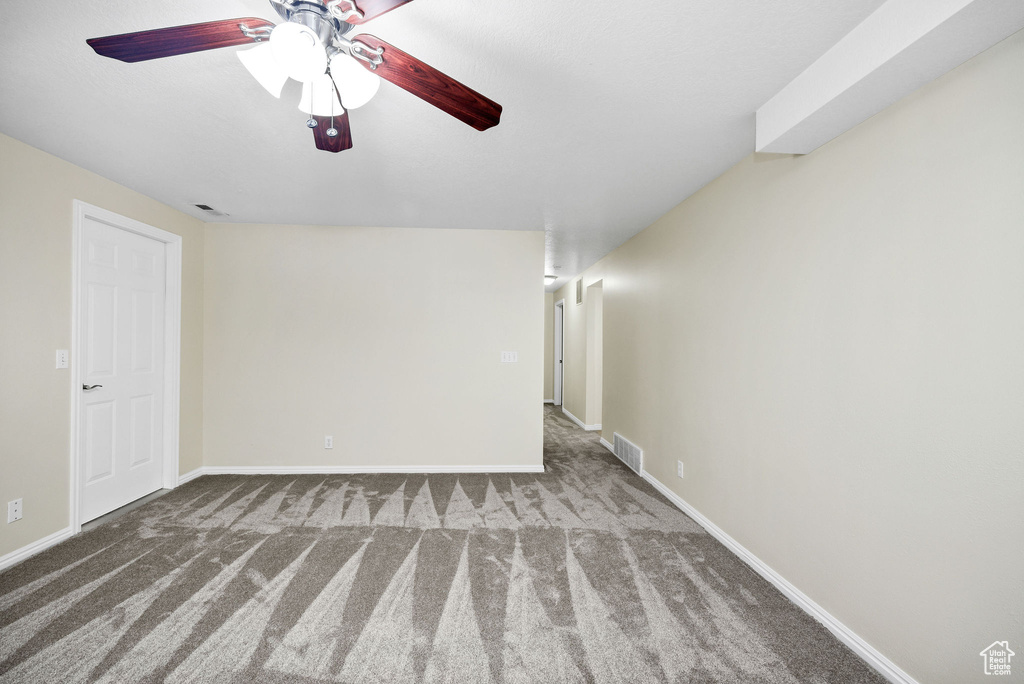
559	352
172	343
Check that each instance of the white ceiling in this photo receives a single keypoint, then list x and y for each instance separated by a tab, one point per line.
613	112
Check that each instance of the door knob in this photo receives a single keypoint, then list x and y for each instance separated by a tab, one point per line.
91	387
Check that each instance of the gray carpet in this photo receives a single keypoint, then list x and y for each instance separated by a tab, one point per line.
581	574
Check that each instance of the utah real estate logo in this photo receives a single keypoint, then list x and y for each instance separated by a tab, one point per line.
997	658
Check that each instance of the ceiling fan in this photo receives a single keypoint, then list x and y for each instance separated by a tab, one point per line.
312	46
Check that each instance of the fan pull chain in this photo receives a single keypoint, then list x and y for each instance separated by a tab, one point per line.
332	132
311	122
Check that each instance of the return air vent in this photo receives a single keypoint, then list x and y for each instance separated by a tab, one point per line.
628	453
209	210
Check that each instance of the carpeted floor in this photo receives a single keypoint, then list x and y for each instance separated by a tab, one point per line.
581	574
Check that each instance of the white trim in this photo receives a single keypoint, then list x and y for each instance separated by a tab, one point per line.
607	445
573	418
356	470
15	557
549	401
191	475
589	428
868	653
172	342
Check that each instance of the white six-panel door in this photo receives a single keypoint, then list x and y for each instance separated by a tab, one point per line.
121	421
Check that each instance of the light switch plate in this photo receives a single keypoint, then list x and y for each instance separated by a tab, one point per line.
62	358
510	357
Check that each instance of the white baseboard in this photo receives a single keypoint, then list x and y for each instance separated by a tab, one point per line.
358	470
868	653
549	401
589	428
573	418
607	445
15	557
191	475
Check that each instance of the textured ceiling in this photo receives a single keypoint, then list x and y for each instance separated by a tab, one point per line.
613	112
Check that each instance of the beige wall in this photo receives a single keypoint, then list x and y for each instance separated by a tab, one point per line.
432	310
549	346
389	340
36	194
583	328
834	346
595	353
574	350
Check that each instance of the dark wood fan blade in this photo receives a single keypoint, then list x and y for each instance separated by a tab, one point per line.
370	9
429	84
342	141
176	40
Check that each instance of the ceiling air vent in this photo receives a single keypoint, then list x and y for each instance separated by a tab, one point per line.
209	210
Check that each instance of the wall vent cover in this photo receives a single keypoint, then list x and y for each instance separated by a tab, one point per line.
628	453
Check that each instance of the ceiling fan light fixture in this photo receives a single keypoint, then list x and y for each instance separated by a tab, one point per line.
261	63
300	48
319	98
356	85
299	51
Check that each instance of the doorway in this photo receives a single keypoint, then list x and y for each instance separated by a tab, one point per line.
559	366
126	322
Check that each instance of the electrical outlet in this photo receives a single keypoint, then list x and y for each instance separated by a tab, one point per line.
328	442
13	510
679	468
510	357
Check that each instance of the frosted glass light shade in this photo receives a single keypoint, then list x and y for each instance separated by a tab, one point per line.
299	51
319	98
356	85
263	66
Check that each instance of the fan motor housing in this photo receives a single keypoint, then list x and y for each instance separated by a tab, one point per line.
315	16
